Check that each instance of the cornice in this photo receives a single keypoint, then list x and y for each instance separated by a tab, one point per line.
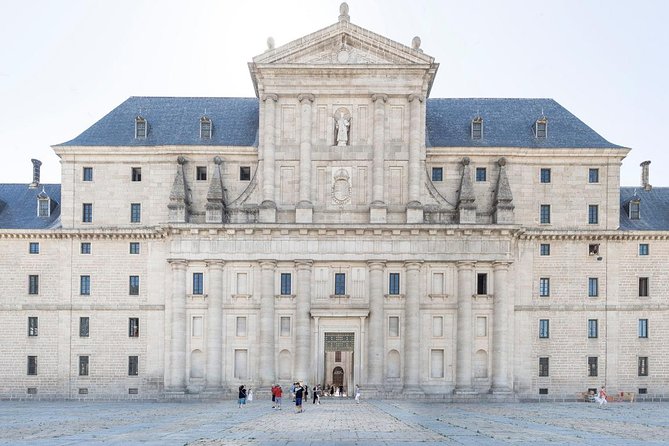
590	235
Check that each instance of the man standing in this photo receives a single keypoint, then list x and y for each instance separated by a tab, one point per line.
299	393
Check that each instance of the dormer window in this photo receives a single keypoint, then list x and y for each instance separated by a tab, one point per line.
477	128
205	128
541	128
635	209
140	128
43	204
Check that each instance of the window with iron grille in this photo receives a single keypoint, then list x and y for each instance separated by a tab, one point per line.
33	284
643	366
85	285
32	326
543	366
87	212
544	328
84	327
133	365
83	365
133	327
592	366
32	365
545	214
593	329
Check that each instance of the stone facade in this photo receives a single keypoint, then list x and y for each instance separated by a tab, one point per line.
342	246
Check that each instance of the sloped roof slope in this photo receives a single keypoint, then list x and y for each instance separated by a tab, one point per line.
653	209
507	123
18	206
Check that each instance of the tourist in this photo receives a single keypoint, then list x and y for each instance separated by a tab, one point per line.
242	396
278	392
317	394
357	394
601	397
272	391
299	393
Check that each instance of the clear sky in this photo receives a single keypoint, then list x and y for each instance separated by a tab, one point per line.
65	64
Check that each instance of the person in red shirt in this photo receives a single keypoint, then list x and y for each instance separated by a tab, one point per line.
278	393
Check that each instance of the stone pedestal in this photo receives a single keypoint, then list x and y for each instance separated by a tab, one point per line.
414	213
267	212
378	213
304	213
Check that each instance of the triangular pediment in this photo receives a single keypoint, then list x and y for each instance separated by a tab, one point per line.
344	44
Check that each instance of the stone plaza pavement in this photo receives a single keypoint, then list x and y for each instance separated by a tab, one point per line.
334	422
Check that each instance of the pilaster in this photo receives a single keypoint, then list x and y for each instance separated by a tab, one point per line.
214	323
378	209
304	210
178	330
267	319
463	365
415	207
501	342
267	212
412	328
302	321
376	319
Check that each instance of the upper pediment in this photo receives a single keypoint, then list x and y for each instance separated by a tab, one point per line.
344	44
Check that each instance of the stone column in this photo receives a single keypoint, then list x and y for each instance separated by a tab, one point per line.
414	207
501	343
378	207
268	205
302	321
412	328
304	210
214	323
178	335
463	365
267	369
376	323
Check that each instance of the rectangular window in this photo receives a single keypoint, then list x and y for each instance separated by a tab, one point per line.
643	286
133	365
593	249
544	328
133	286
338	356
83	365
544	287
198	283
635	210
394	283
644	249
84	327
33	284
481	174
85	247
85	285
244	173
543	367
545	175
541	128
240	328
88	174
643	328
643	366
32	326
545	214
593	214
482	283
136	174
593	175
32	365
593	329
437	363
134	247
33	248
87	212
286	285
477	128
437	174
340	284
135	213
284	328
393	326
437	326
133	327
545	249
593	287
201	173
43	207
592	365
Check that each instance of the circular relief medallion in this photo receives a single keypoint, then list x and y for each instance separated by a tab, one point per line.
343	56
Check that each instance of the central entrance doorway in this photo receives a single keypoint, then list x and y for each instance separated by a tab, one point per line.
338	361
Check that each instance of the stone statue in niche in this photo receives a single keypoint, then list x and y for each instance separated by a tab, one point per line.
342	120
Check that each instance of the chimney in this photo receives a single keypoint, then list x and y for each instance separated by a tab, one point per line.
644	176
36	166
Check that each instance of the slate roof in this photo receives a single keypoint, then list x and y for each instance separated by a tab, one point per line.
175	121
18	206
507	123
653	206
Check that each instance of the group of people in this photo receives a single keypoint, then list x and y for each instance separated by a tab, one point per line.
298	390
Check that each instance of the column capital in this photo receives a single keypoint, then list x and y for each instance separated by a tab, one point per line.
267	264
306	97
415	96
272	96
501	265
465	264
376	264
380	96
215	263
411	265
302	264
178	263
